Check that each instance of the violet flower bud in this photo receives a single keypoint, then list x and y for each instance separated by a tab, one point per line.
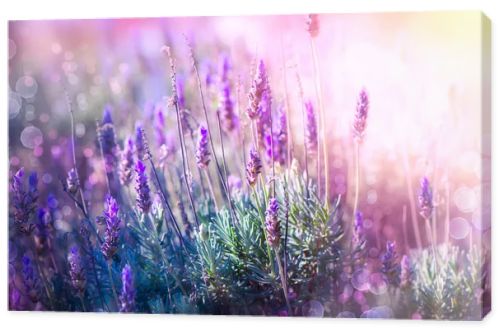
77	271
202	149
142	188
272	223
254	167
425	202
126	165
406	272
312	25
107	140
24	200
311	129
359	125
390	264
42	226
139	142
113	222
128	293
72	182
257	90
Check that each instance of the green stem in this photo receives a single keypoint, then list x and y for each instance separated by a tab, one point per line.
283	281
115	295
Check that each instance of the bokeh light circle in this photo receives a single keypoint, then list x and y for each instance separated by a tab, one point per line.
31	137
26	86
379	312
346	314
15	104
459	228
361	280
313	308
465	199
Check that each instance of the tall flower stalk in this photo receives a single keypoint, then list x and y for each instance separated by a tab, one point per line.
358	131
203	159
111	236
273	235
127	296
313	30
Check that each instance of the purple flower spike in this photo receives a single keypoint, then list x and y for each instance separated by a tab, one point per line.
425	198
312	25
359	125
406	272
229	120
357	233
254	167
390	263
311	129
113	222
42	227
30	281
24	200
107	140
76	271
142	188
72	181
127	296
139	142
202	150
273	223
259	86
126	163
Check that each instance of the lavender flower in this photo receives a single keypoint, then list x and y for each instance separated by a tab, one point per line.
127	296
30	281
254	167
113	222
390	264
76	271
126	165
142	188
24	200
312	25
359	125
311	129
425	198
181	99
72	181
405	276
259	86
139	142
357	232
202	149
107	140
273	223
229	120
42	226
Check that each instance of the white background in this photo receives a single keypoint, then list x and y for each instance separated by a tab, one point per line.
105	323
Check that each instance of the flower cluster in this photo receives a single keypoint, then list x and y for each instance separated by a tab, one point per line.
359	125
202	149
24	200
254	167
425	198
142	188
113	225
77	270
273	223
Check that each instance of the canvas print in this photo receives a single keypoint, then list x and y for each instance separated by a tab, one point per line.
321	165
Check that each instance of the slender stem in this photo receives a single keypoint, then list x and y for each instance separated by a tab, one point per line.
115	296
287	108
356	178
284	285
322	117
263	224
42	275
211	189
184	162
165	201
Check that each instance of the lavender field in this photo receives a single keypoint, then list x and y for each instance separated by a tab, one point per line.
278	166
